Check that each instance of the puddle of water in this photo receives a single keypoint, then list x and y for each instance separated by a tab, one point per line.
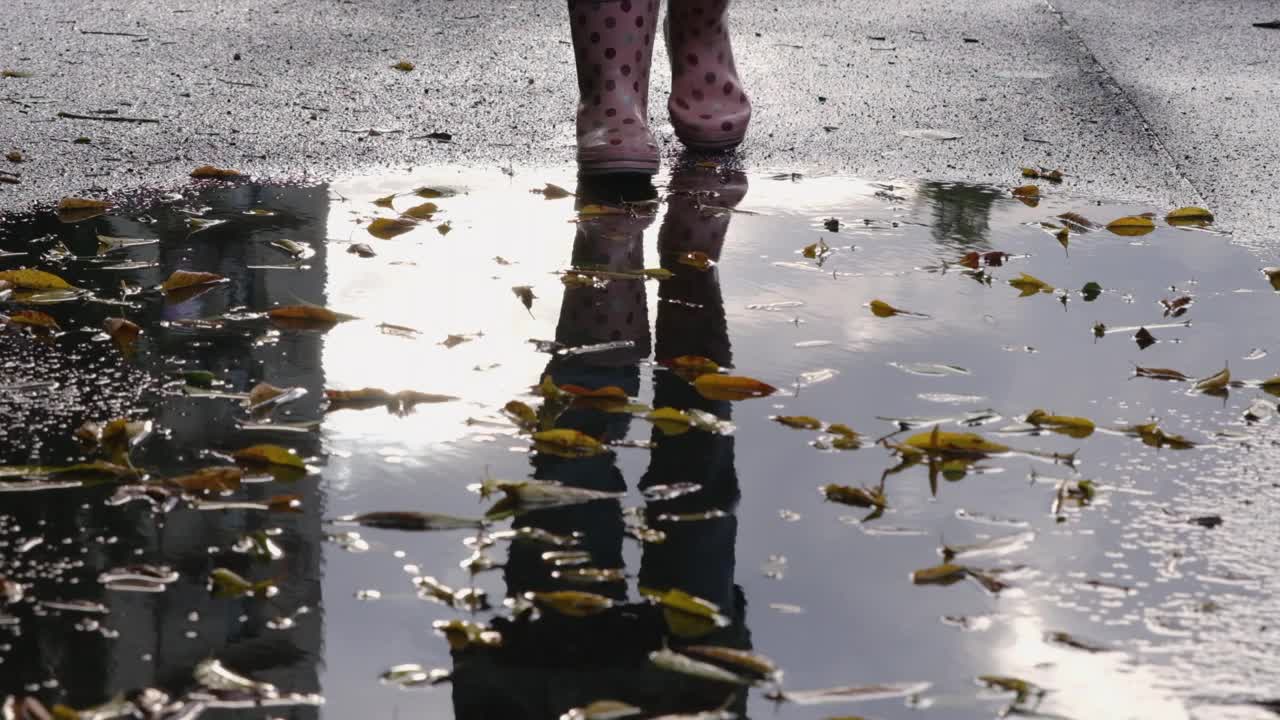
1101	603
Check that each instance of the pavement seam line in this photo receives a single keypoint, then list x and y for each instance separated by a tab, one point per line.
1147	127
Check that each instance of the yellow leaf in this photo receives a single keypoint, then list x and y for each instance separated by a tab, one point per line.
945	574
217	173
1027	191
209	480
842	430
954	442
444	228
34	319
1030	285
1216	382
594	209
1076	427
75	203
696	259
880	308
385	201
1189	216
387	228
181	279
799	422
573	603
1132	225
431	193
687	616
403	66
609	392
731	387
657	273
263	392
301	317
569	441
522	414
30	279
122	331
692	364
855	496
553	192
422	212
670	420
269	455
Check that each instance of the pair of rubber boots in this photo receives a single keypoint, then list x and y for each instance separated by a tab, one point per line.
613	44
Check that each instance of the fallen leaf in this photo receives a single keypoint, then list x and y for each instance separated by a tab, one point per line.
1131	225
34	319
123	332
387	228
525	495
385	201
1043	174
602	710
263	392
595	210
954	442
944	574
692	364
553	192
269	455
855	496
1076	427
461	634
215	480
413	521
1026	191
1144	338
75	203
211	172
1078	221
696	259
1030	285
228	584
757	665
816	249
1160	373
362	250
1176	307
672	661
849	694
1189	216
182	279
14	157
799	422
303	317
1090	291
1216	382
403	66
524	415
31	279
571	442
731	387
444	228
525	293
422	212
573	603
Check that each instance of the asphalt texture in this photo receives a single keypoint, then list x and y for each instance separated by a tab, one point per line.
1160	101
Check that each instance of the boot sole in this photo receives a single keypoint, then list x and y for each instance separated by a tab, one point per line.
711	144
617	167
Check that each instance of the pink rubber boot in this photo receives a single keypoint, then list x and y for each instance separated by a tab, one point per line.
613	43
709	108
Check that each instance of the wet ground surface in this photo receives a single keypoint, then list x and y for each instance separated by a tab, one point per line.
1143	592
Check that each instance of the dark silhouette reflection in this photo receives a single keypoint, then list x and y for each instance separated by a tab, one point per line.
155	639
961	213
548	665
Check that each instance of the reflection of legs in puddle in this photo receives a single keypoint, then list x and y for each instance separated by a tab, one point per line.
698	555
551	664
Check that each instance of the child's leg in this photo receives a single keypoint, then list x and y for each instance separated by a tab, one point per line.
709	108
613	43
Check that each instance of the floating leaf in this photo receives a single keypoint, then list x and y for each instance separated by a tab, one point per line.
422	212
853	693
696	259
855	496
415	521
1160	373
757	665
444	228
462	634
1090	291
387	228
1189	216
944	574
525	293
1026	191
1030	285
1151	434
214	480
412	675
123	332
675	662
303	317
403	66
1132	225
687	615
1176	307
31	279
528	495
553	192
954	442
994	546
217	173
602	710
670	420
34	319
269	455
573	603
183	279
1216	382
595	209
385	202
608	392
1043	174
1057	637
731	387
692	364
75	203
816	249
212	674
228	584
570	442
1076	427
799	422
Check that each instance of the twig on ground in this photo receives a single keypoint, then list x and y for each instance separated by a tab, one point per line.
108	118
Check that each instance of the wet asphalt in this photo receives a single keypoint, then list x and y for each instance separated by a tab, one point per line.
1160	101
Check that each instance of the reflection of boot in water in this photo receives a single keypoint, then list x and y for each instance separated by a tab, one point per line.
698	555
